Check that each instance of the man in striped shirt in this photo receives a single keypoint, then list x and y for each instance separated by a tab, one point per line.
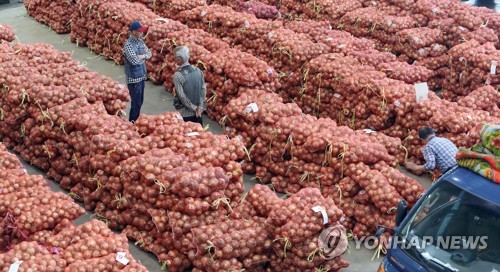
437	151
190	87
135	54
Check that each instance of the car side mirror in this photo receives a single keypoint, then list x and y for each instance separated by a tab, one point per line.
380	231
401	211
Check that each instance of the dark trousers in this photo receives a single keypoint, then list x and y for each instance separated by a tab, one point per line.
136	91
193	119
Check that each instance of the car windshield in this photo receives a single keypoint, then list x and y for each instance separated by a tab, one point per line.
454	230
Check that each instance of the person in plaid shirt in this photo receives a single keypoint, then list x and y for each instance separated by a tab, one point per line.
438	152
135	54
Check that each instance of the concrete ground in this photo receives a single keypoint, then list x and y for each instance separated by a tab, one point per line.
157	100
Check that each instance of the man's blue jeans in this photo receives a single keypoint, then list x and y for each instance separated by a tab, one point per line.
136	91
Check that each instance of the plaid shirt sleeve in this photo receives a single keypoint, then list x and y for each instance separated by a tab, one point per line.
130	54
430	158
148	52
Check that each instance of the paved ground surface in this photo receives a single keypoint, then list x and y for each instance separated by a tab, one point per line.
157	100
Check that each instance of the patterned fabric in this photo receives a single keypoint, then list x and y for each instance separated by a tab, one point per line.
483	164
189	109
484	157
490	140
133	45
439	151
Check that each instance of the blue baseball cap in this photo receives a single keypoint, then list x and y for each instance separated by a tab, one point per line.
135	25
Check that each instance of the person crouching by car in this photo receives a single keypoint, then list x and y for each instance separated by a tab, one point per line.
438	152
190	87
135	55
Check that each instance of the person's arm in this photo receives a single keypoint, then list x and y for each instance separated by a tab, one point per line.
179	91
148	54
430	159
415	167
430	162
203	93
130	55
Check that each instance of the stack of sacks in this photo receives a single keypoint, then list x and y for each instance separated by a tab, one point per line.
296	248
161	67
472	66
73	248
27	204
6	33
420	43
260	10
338	41
32	104
55	14
324	10
252	108
451	120
222	21
103	26
285	235
231	245
135	190
173	8
329	82
484	98
231	72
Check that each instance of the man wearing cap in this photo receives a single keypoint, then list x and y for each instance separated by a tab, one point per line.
437	151
190	87
136	53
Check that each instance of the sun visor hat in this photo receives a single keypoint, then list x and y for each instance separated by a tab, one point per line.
137	26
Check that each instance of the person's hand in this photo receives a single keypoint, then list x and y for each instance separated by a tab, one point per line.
199	111
410	165
141	56
415	168
419	172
